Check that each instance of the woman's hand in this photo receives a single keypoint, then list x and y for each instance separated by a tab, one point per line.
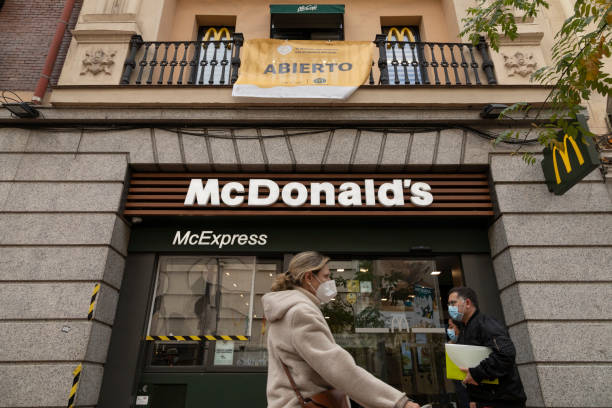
410	404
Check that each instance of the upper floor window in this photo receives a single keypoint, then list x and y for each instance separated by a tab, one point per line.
403	54
215	55
307	22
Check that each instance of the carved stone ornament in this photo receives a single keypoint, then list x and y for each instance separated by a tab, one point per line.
520	63
98	61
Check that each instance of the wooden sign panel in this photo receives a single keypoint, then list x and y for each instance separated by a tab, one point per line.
291	194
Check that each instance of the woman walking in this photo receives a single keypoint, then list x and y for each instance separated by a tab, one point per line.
304	359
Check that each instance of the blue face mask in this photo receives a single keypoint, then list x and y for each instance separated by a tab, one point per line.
453	312
451	334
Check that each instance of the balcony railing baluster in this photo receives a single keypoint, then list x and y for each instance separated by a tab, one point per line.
444	64
163	64
224	62
238	41
465	66
434	62
454	62
143	63
474	65
193	65
130	62
213	64
153	64
415	63
405	64
183	63
203	62
216	62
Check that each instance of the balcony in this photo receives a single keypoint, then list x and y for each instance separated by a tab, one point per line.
214	63
197	74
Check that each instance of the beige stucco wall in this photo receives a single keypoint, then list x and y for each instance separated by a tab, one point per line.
114	21
362	19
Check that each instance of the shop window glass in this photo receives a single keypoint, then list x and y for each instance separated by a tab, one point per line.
389	315
403	58
207	295
214	55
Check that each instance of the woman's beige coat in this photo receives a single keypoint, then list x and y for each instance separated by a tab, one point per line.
299	336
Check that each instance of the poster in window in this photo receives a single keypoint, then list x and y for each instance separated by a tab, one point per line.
224	353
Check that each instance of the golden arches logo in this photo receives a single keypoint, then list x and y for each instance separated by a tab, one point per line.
564	154
400	35
217	36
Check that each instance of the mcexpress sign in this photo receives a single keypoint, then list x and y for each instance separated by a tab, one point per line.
265	192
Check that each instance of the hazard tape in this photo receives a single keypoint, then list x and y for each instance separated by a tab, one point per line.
75	384
196	338
92	303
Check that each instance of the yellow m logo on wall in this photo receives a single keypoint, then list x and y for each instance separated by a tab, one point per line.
579	157
564	154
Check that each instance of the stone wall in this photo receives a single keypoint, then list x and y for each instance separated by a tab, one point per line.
60	236
552	257
60	196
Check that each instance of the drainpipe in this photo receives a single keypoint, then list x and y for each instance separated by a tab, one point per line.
43	82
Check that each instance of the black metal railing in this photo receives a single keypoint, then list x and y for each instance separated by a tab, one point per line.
212	62
433	63
216	62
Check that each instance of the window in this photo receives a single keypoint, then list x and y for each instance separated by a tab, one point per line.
320	26
390	315
214	55
208	295
403	56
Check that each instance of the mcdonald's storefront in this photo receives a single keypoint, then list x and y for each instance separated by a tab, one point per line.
190	328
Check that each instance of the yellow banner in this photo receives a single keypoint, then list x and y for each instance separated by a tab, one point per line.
303	69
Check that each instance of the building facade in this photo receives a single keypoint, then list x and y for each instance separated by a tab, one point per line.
106	269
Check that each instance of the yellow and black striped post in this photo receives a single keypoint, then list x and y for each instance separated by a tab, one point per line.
75	384
209	337
92	303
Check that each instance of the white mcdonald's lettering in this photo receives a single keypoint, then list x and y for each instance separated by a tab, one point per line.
565	156
265	192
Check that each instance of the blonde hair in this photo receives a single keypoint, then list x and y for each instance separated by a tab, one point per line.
309	261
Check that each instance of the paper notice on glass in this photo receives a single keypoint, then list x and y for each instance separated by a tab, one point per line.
460	355
366	287
352	285
224	353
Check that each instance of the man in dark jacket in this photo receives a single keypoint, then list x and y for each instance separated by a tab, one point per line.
482	330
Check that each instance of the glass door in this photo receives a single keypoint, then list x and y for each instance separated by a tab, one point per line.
388	315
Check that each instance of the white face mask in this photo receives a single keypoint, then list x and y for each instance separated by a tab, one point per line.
326	290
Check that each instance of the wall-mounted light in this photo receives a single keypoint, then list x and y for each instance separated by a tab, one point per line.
22	110
492	110
436	273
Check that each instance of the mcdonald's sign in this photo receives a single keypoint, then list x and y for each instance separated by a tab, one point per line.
223	33
566	166
400	35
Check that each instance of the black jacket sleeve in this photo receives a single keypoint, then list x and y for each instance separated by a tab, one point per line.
500	362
